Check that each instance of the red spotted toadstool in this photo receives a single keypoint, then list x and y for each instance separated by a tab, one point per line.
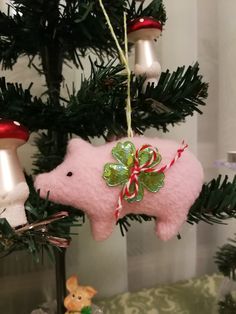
142	32
13	188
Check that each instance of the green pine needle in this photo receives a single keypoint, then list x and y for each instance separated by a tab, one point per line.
101	99
74	27
226	259
216	202
36	240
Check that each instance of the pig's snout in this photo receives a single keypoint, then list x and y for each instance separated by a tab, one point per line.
43	185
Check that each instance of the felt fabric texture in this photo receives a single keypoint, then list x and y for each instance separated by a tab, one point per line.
85	188
12	205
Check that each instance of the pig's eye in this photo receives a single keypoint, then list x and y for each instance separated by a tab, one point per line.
79	297
69	174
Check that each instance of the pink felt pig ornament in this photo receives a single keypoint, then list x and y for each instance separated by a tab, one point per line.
79	182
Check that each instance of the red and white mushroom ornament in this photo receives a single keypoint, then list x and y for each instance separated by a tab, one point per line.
142	32
14	190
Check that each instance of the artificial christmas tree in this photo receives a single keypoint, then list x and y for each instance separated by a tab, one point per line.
226	259
64	31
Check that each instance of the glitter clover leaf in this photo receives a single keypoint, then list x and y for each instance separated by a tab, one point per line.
119	173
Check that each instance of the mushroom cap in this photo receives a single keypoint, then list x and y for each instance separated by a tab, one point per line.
10	129
143	28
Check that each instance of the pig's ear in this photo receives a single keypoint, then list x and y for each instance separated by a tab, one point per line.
77	144
72	283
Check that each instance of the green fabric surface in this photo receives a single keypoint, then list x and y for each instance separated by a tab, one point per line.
194	296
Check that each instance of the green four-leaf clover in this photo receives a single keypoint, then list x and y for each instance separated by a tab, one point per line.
119	173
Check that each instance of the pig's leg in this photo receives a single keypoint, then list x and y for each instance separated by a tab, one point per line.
102	229
169	226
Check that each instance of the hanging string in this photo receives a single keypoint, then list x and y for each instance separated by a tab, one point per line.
125	62
128	100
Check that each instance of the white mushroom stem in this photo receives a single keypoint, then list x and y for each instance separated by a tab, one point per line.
13	188
146	62
12	205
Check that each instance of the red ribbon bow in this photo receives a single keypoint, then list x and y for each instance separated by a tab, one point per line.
148	167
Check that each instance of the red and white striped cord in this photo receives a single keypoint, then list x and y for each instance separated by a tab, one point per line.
147	168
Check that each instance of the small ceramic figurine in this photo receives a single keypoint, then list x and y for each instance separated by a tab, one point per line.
79	299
